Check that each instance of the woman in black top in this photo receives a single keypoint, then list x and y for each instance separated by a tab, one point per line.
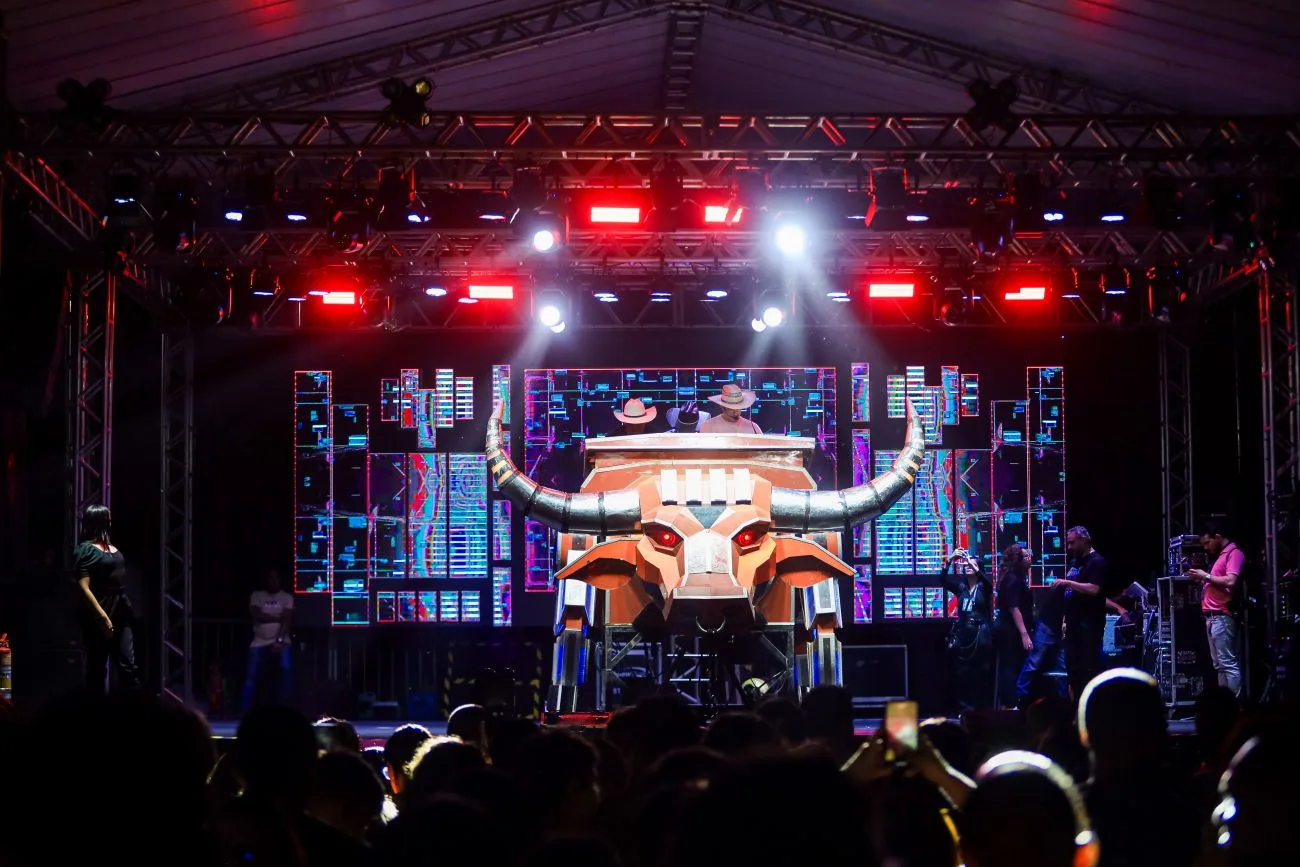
1014	622
108	622
970	644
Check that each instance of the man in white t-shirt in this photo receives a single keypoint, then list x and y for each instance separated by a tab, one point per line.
272	611
733	401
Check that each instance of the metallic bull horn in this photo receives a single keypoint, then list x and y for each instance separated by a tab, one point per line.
809	511
596	514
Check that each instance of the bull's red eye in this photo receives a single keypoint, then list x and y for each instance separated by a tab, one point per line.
666	538
747	538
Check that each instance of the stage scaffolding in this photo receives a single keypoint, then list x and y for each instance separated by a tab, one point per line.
1094	150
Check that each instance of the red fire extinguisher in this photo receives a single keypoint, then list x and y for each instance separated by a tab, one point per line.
6	669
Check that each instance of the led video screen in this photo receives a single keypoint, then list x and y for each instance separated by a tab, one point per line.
395	526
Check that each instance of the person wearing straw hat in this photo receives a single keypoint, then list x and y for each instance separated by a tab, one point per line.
686	418
733	401
636	416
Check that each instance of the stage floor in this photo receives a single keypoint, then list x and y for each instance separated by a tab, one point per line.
374	733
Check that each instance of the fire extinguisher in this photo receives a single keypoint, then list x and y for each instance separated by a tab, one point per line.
6	669
216	689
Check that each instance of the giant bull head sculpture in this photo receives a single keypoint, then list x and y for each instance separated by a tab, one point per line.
707	537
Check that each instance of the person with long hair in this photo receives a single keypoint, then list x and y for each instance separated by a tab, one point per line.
108	620
970	644
1013	619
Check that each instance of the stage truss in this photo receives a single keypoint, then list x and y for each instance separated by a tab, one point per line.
1092	148
1279	343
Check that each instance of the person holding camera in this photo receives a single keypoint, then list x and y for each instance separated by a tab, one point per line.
970	643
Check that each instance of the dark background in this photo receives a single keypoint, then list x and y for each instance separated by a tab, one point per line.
243	477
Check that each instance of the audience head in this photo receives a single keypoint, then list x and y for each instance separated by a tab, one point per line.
1122	722
336	735
439	764
828	716
469	722
742	735
399	753
96	522
1254	824
277	751
557	774
788	718
1216	712
1026	810
347	794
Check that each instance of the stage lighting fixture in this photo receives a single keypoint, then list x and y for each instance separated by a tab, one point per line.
528	186
1115	281
773	308
545	240
1164	200
723	215
176	209
605	297
124	209
660	297
993	227
889	186
84	104
992	104
549	307
1026	293
1230	216
758	325
891	289
1053	216
407	104
338	299
625	216
435	291
667	195
491	292
715	294
791	239
349	223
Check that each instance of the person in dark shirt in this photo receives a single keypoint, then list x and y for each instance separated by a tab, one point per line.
1084	588
970	645
108	623
1045	652
1014	618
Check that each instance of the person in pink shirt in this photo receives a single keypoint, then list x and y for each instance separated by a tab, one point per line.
1220	585
733	401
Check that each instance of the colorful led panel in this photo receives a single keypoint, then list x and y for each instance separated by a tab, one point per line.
388	515
950	386
861	380
313	481
500	530
501	596
893	604
390	400
426	433
469	606
468	526
408	609
427	518
350	610
464	398
385	607
933	498
409	385
895	533
861	473
862	594
934	604
1010	470
970	395
500	389
444	401
426	606
449	606
913	603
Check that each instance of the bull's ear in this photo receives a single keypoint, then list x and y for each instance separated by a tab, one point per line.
607	566
803	563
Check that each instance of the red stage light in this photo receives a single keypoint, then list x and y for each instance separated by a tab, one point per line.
496	292
630	216
341	299
1027	293
722	214
891	290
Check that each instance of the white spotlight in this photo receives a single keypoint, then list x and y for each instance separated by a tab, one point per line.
773	317
558	328
757	325
550	315
544	240
791	240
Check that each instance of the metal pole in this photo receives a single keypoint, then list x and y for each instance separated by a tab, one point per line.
89	444
176	669
1279	338
1178	510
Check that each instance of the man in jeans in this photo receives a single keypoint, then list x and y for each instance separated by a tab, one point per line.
1219	586
272	611
1046	652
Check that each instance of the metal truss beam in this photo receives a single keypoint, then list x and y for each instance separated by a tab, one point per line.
176	670
1279	340
1177	510
1040	89
461	252
92	330
584	149
685	26
428	54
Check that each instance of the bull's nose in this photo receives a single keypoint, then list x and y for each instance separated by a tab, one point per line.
709	584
